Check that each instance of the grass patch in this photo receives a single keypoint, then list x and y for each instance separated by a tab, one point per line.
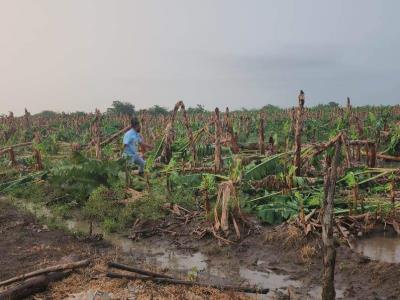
33	191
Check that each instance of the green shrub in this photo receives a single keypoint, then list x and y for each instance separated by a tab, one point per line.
101	205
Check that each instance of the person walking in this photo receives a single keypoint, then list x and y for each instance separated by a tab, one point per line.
132	139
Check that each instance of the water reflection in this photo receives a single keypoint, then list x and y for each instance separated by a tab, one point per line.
383	247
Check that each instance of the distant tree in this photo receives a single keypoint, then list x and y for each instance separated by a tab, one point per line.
333	104
47	113
121	108
158	110
198	109
78	113
271	108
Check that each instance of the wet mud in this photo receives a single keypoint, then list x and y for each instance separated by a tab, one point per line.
369	272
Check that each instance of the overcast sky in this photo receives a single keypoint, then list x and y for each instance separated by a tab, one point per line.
69	55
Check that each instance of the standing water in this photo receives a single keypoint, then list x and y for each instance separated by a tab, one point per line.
382	247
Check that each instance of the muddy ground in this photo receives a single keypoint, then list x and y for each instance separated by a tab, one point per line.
26	245
287	253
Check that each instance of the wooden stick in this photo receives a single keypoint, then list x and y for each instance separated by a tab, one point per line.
189	283
73	265
136	270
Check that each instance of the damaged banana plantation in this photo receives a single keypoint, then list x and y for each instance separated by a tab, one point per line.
270	203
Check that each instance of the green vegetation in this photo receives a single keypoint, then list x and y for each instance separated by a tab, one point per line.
265	184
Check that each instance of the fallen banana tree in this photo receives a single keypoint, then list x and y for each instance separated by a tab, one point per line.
227	209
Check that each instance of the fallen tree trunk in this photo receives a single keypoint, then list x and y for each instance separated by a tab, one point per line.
73	265
388	157
5	149
114	136
197	170
32	286
136	270
321	147
383	156
189	283
251	146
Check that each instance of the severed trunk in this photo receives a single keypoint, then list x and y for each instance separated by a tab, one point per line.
166	153
372	160
261	136
27	121
98	148
297	137
347	151
96	131
392	191
218	151
189	131
348	110
271	144
358	152
169	135
232	135
356	196
38	159
207	205
328	286
12	156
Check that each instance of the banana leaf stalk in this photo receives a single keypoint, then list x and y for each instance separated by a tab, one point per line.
374	177
263	162
371	170
10	184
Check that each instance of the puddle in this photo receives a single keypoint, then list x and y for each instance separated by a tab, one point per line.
384	247
183	262
267	280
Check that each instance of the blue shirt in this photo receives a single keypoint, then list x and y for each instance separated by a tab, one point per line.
131	141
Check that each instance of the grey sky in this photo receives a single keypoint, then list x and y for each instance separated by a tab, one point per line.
79	54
